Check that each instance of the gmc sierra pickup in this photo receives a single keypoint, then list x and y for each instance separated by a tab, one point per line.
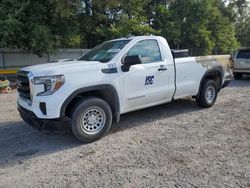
114	78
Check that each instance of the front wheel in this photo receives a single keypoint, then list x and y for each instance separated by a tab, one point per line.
208	94
91	119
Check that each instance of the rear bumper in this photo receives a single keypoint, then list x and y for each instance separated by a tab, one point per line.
56	125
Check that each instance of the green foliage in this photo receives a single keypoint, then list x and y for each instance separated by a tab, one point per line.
167	24
42	26
196	24
222	30
134	26
241	16
243	32
36	26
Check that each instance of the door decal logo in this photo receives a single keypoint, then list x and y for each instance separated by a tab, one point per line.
149	80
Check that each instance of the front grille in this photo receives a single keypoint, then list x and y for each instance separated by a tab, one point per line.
23	86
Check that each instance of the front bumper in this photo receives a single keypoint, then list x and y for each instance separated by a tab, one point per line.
56	125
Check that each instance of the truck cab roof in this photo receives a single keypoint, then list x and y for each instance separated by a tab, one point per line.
138	37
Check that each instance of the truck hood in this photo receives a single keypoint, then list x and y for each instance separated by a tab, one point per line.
48	69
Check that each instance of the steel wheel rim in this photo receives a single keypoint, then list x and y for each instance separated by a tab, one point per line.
93	120
210	94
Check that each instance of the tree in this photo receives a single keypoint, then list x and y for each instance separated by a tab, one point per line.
195	24
240	10
131	19
42	26
112	19
38	26
222	30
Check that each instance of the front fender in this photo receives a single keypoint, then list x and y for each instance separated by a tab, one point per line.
115	99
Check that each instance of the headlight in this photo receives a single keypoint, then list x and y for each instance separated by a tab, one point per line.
51	84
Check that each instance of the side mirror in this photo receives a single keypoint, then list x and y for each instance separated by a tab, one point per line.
129	61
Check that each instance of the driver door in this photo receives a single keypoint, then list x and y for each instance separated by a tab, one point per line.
148	83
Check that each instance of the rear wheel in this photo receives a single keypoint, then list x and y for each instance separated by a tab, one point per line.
237	76
91	119
208	94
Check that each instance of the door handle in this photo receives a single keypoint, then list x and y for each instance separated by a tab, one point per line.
162	68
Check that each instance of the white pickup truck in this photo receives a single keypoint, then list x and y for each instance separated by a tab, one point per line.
114	78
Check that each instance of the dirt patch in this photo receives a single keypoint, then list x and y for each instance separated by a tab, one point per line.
171	145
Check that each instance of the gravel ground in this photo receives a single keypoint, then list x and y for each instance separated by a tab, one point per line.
171	145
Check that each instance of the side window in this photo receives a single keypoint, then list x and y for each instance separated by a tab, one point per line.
148	49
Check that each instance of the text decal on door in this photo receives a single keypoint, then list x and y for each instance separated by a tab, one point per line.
149	80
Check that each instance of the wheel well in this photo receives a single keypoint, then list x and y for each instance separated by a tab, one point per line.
212	75
107	95
215	76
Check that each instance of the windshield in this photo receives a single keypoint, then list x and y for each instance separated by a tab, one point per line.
244	54
105	51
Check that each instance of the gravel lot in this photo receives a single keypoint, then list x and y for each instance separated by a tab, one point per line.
172	145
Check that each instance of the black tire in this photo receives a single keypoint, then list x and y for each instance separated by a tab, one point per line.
82	112
237	75
206	99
